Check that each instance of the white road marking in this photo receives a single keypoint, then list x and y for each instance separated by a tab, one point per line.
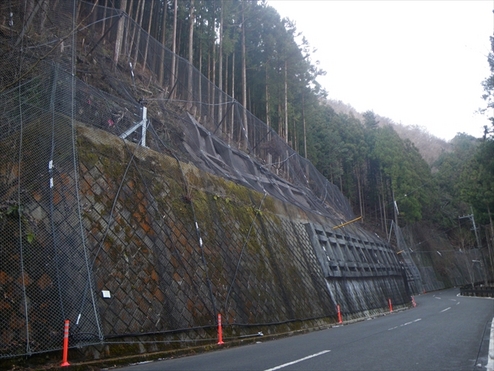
490	362
444	310
298	360
405	324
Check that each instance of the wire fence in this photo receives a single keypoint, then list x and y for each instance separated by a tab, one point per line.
45	267
189	90
91	231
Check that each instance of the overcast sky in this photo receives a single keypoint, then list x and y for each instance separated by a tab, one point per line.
415	62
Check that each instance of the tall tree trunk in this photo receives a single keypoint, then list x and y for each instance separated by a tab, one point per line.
268	113
174	49
395	205
227	77
162	60
220	64
27	11
29	16
267	95
382	207
294	141
120	33
44	10
199	81
130	11
212	95
103	28
131	17
230	138
281	125
245	138
191	33
191	55
126	46
285	102
140	12
360	193
340	178
304	124
146	49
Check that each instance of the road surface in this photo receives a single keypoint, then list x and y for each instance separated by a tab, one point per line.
444	332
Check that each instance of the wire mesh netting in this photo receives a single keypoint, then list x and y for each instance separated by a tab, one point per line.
90	210
44	253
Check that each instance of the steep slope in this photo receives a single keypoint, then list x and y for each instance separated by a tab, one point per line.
139	210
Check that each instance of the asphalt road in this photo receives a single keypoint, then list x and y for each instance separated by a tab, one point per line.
444	332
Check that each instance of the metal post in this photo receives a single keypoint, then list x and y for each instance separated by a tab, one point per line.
144	125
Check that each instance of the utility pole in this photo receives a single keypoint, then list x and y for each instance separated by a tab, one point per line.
472	219
482	265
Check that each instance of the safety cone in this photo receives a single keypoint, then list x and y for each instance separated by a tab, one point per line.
65	345
220	331
340	320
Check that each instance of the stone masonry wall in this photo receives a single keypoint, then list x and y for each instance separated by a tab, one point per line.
162	248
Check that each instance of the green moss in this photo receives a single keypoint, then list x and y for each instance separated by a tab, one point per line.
181	209
88	158
118	350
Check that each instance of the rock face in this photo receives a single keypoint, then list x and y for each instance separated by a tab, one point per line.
139	244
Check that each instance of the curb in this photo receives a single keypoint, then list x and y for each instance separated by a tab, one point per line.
490	362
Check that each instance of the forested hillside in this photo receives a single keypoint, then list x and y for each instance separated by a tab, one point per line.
388	172
429	146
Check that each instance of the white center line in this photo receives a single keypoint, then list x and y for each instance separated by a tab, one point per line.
405	324
298	360
444	310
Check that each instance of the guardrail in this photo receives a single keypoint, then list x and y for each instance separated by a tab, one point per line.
478	290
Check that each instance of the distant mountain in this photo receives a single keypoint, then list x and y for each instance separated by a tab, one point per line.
429	146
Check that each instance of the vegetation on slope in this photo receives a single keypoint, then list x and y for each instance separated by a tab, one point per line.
251	53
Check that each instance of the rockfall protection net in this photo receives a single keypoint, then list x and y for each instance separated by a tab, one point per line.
44	255
77	209
415	284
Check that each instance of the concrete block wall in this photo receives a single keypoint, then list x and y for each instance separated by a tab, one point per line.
157	248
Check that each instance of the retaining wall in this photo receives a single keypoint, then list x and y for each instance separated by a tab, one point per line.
165	247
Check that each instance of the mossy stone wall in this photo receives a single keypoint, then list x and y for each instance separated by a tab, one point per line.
173	245
244	259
